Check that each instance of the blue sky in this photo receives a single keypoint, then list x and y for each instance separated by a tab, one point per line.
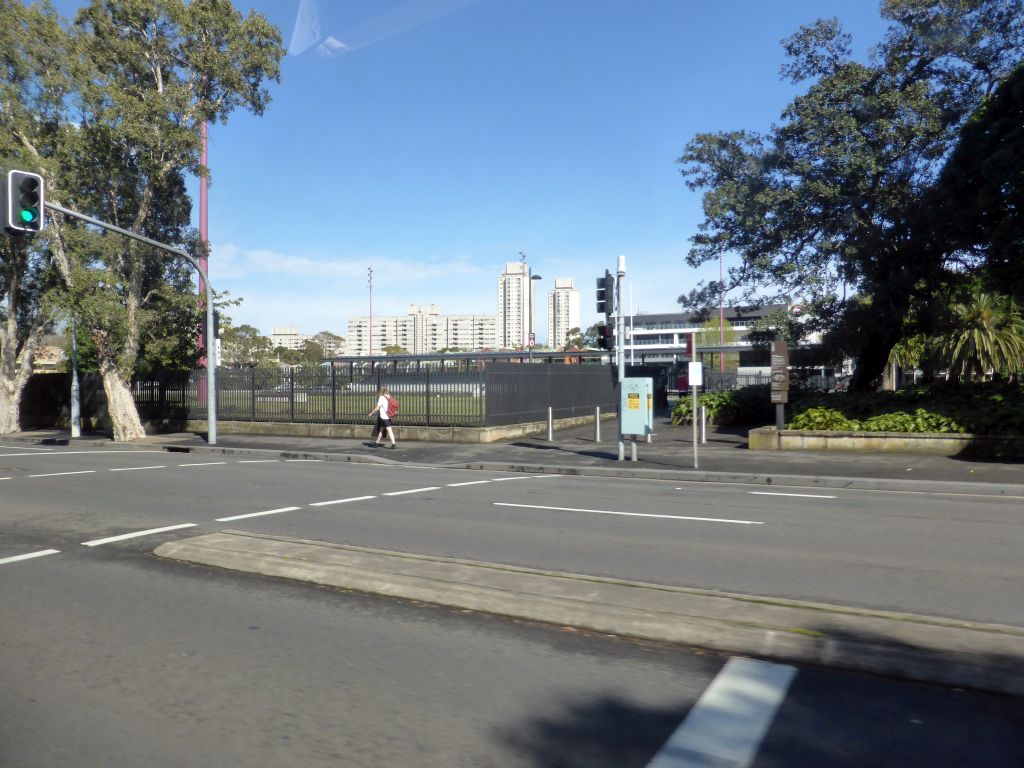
452	134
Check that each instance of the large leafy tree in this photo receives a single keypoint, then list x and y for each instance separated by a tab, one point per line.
978	203
35	79
832	197
153	71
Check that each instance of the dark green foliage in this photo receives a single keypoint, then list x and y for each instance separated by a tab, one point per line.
833	196
989	409
746	405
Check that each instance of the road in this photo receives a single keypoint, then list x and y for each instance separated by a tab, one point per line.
113	657
944	555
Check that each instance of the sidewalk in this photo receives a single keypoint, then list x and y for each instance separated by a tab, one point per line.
723	458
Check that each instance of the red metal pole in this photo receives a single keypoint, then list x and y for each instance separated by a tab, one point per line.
203	229
721	318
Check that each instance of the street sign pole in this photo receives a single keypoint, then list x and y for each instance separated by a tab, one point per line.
780	385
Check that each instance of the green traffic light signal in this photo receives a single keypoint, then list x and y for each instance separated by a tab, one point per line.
22	193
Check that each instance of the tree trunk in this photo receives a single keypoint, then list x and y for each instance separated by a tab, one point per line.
121	406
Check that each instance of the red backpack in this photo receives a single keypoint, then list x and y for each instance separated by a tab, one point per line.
393	406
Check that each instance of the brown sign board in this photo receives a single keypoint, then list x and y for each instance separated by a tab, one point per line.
780	367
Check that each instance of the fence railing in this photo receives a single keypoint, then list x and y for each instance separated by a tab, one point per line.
432	396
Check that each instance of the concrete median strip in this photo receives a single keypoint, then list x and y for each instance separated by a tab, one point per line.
979	656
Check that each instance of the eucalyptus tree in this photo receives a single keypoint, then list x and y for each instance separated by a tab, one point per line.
35	80
833	195
152	73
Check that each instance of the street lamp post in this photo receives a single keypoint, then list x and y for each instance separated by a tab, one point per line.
531	339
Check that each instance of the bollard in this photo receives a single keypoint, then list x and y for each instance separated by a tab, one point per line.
597	424
551	426
703	424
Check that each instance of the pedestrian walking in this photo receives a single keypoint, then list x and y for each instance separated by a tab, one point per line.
383	413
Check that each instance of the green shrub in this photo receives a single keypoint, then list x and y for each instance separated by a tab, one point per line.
983	409
821	418
746	405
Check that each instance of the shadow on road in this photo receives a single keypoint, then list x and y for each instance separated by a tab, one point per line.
830	717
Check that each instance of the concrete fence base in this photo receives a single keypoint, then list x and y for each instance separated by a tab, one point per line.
937	444
362	431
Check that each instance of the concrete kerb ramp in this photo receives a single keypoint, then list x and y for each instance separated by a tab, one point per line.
979	656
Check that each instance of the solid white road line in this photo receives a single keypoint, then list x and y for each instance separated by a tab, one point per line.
800	495
631	514
204	464
29	556
728	722
341	501
257	514
471	482
506	479
58	474
293	461
133	469
412	490
136	534
71	453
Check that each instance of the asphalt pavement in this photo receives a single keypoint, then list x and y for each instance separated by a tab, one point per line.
981	656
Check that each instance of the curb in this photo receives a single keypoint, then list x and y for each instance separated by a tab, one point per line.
983	657
1003	490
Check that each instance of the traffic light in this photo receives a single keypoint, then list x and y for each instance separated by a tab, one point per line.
23	205
605	340
606	294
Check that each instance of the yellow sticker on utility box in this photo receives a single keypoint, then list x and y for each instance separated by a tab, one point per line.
633	401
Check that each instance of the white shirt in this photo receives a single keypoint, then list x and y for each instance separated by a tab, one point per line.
382	406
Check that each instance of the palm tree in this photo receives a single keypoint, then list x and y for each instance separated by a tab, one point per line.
987	334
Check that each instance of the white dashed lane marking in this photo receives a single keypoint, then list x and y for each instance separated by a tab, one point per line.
29	556
799	495
133	469
341	501
137	534
257	514
413	490
471	482
61	474
204	464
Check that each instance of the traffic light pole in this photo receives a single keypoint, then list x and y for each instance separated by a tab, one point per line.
211	367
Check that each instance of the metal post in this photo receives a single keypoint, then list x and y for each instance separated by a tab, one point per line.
780	423
693	418
211	370
632	455
620	351
334	397
551	425
76	411
597	424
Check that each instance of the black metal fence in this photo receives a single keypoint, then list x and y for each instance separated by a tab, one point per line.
461	395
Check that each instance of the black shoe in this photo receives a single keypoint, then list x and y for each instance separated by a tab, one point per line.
393	445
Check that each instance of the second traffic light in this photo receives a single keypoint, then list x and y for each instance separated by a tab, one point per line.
606	294
605	339
23	205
